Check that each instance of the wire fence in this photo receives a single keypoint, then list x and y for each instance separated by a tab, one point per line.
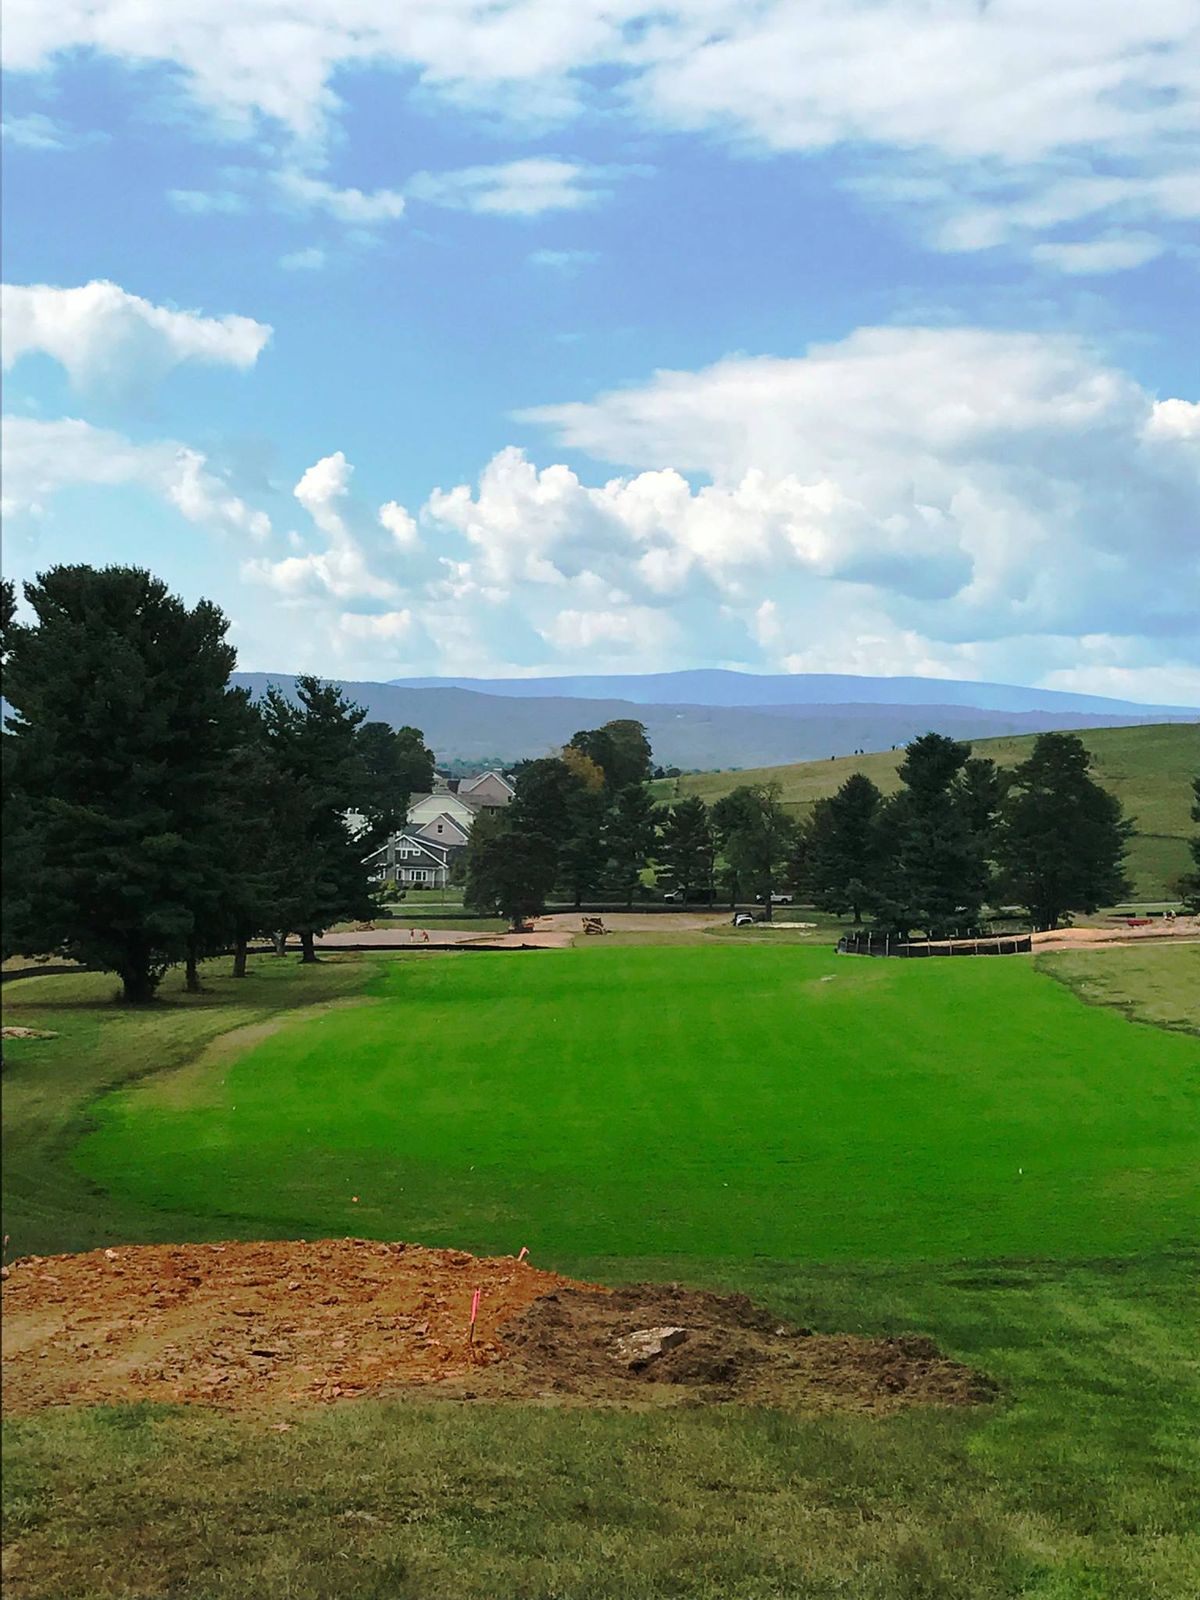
884	944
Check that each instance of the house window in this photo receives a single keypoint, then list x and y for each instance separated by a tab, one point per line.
418	874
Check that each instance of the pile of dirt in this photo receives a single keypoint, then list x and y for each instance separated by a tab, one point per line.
584	1342
258	1325
252	1324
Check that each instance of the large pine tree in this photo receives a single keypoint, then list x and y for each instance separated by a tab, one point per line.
314	745
122	726
1062	837
841	852
686	847
1191	884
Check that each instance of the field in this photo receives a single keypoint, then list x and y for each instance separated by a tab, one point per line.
965	1149
1149	769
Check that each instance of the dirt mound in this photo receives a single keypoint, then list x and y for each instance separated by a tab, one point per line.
259	1325
252	1324
582	1342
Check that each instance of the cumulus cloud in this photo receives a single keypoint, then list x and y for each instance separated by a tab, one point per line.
41	458
929	103
992	482
351	567
636	630
104	336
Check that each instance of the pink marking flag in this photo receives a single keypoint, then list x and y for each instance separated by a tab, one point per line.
474	1314
524	1252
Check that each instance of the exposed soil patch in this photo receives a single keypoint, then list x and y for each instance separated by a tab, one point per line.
259	1325
584	1342
1184	929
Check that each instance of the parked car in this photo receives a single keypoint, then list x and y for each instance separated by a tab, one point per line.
674	895
743	919
779	898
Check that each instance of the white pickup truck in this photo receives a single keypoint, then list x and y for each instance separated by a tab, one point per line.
779	898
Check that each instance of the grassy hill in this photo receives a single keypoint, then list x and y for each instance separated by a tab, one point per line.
1149	769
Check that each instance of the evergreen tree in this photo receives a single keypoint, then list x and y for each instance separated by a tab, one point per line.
395	765
630	837
314	745
582	852
756	836
937	876
509	872
841	848
1190	886
686	848
117	748
1062	837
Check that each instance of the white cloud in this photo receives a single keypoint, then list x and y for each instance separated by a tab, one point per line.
1005	100
103	335
347	568
387	627
351	206
40	458
399	524
310	259
632	630
523	188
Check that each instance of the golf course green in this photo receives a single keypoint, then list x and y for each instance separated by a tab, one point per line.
694	1102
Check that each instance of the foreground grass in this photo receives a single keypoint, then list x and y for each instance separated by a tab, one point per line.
1081	1484
1149	769
705	1102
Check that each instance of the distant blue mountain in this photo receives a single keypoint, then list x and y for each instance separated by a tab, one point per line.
470	725
716	687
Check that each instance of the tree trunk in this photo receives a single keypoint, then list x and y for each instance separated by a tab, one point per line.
192	982
308	952
137	984
280	942
239	956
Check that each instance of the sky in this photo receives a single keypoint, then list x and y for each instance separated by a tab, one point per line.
500	337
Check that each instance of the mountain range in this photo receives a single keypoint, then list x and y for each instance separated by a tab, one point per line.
710	720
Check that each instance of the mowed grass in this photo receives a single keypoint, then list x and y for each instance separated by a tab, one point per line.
690	1101
1149	769
1081	1483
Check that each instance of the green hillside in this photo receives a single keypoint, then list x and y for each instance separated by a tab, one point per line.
1149	768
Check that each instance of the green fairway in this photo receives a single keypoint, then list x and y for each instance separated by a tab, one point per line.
689	1102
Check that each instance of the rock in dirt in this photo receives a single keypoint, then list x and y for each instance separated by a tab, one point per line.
637	1349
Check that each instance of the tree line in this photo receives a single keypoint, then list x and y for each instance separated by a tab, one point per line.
154	814
959	834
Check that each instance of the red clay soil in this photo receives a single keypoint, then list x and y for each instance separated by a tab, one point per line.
256	1326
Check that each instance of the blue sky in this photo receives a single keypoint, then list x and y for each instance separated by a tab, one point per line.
444	337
